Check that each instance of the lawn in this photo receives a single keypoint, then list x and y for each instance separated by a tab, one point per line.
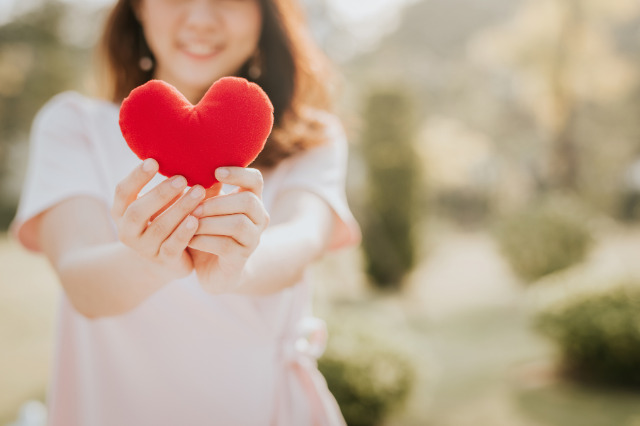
465	317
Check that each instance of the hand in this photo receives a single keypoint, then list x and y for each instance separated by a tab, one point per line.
157	225
229	230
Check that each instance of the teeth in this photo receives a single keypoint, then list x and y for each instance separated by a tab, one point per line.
199	49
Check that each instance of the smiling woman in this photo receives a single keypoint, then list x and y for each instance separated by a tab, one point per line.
182	305
286	63
195	42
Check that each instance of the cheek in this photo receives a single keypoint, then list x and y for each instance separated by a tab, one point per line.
157	27
248	28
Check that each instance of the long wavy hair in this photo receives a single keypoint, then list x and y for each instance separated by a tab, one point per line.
296	75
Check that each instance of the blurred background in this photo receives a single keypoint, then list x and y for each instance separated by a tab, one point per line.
495	170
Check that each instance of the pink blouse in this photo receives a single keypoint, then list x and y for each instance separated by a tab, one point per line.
184	356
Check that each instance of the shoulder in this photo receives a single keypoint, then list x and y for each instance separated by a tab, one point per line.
71	105
329	123
68	112
327	156
332	137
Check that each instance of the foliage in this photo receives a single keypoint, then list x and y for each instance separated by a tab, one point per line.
393	175
368	375
599	334
35	64
546	238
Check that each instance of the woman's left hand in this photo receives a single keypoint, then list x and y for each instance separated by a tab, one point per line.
229	230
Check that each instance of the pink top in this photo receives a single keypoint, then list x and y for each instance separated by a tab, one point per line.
184	356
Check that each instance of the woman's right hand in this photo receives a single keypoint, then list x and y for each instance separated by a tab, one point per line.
158	225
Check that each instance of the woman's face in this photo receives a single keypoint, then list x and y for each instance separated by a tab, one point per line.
196	42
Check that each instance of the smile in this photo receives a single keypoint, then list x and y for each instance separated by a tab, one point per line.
199	50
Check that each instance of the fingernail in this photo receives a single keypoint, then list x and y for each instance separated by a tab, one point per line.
192	222
198	211
178	182
148	165
222	173
197	191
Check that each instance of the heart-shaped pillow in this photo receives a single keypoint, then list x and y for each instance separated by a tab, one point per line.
228	127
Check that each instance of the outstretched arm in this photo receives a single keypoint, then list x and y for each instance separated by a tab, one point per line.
107	274
302	225
234	252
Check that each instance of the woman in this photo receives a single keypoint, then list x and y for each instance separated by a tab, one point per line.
189	305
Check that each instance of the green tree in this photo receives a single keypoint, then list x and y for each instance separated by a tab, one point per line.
35	64
393	176
563	55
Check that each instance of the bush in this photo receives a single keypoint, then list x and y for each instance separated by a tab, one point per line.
390	214
547	238
598	335
368	376
7	213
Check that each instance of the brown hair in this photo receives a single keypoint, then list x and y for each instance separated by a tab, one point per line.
295	73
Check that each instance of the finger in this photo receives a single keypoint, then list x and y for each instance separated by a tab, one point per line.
165	207
165	224
177	242
236	226
244	203
139	213
246	179
219	245
214	190
128	189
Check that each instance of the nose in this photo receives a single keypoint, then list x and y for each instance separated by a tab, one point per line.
203	15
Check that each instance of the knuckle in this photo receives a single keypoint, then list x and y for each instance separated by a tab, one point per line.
251	245
121	190
183	233
240	223
208	206
166	190
252	202
257	175
159	228
227	246
169	250
258	178
133	214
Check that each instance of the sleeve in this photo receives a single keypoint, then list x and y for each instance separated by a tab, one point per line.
322	170
62	163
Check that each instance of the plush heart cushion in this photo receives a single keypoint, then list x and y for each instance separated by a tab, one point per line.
228	127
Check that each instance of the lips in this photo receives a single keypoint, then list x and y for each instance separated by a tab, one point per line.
199	50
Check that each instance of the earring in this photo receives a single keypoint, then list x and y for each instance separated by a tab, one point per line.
145	63
255	66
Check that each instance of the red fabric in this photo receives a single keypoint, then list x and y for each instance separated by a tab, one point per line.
228	127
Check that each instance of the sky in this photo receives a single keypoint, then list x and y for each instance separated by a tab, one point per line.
363	10
366	21
352	11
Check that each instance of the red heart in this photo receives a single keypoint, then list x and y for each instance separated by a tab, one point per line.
228	127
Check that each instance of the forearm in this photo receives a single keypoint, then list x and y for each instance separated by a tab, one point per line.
108	279
282	256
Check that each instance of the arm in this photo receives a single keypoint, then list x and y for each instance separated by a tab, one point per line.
100	275
104	276
302	224
232	250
